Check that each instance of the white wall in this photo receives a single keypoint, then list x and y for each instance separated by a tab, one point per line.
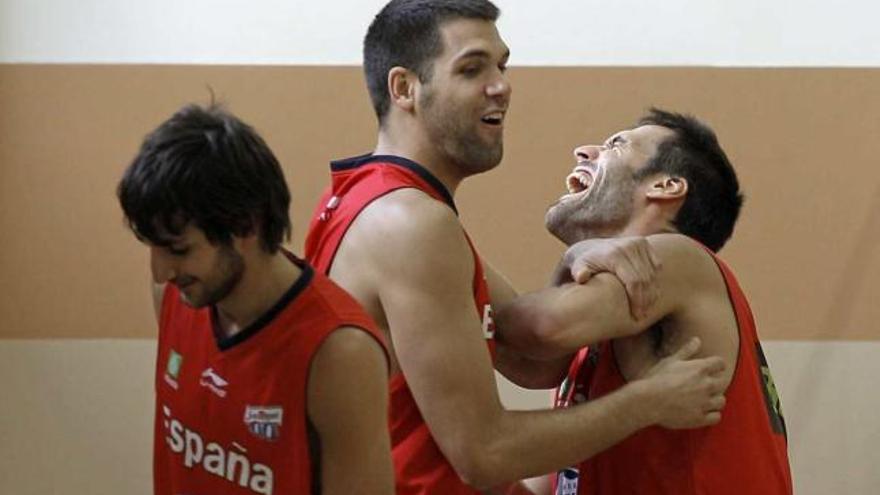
762	33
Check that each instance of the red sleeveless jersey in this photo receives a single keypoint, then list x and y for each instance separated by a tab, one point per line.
420	467
231	413
746	453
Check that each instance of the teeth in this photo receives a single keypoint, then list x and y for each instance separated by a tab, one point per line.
494	117
578	181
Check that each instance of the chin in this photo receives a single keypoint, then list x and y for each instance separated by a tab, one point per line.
487	162
191	301
554	222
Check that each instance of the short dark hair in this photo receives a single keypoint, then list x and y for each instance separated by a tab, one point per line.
205	166
406	33
713	200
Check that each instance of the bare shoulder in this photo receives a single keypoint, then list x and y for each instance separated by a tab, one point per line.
353	364
707	311
410	212
409	231
349	348
348	404
685	261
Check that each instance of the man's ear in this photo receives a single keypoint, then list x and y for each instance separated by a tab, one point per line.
668	188
402	87
248	241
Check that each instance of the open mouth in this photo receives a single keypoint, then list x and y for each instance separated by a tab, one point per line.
579	180
493	118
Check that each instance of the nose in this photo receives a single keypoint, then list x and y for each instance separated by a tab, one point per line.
588	152
500	87
161	265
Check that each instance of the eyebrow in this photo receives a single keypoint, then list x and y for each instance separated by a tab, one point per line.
615	139
481	53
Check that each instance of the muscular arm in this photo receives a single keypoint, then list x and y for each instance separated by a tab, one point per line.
523	370
350	415
558	320
424	271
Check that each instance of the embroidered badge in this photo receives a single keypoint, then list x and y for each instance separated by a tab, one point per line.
264	421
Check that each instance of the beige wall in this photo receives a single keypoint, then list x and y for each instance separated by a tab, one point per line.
75	335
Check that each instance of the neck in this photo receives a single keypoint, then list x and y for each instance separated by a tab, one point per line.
412	145
265	280
637	227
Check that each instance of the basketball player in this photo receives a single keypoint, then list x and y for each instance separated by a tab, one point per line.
270	378
387	230
667	179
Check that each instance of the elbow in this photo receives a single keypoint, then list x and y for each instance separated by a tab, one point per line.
479	468
551	339
536	336
477	455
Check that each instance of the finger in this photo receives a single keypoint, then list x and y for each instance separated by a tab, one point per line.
716	403
581	271
643	285
651	261
650	296
634	287
634	282
653	292
582	274
718	385
687	350
712	418
643	298
714	365
653	256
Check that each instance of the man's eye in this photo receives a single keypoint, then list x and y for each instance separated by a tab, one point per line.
471	70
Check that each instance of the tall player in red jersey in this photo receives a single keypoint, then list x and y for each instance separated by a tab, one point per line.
270	378
667	179
387	230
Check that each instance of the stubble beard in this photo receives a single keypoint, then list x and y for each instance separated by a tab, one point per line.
461	143
602	214
229	270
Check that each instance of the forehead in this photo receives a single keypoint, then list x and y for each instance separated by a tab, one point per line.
471	37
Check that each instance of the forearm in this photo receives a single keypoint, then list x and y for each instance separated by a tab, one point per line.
528	372
525	444
557	321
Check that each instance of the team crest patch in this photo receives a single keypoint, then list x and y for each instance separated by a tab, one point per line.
172	368
264	421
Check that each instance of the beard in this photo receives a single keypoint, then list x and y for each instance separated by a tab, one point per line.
459	139
227	273
603	212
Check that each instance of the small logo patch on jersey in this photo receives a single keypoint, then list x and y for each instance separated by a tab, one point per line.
567	481
172	368
771	395
214	382
264	421
488	322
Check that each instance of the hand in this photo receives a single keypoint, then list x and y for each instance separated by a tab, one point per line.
689	392
631	259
